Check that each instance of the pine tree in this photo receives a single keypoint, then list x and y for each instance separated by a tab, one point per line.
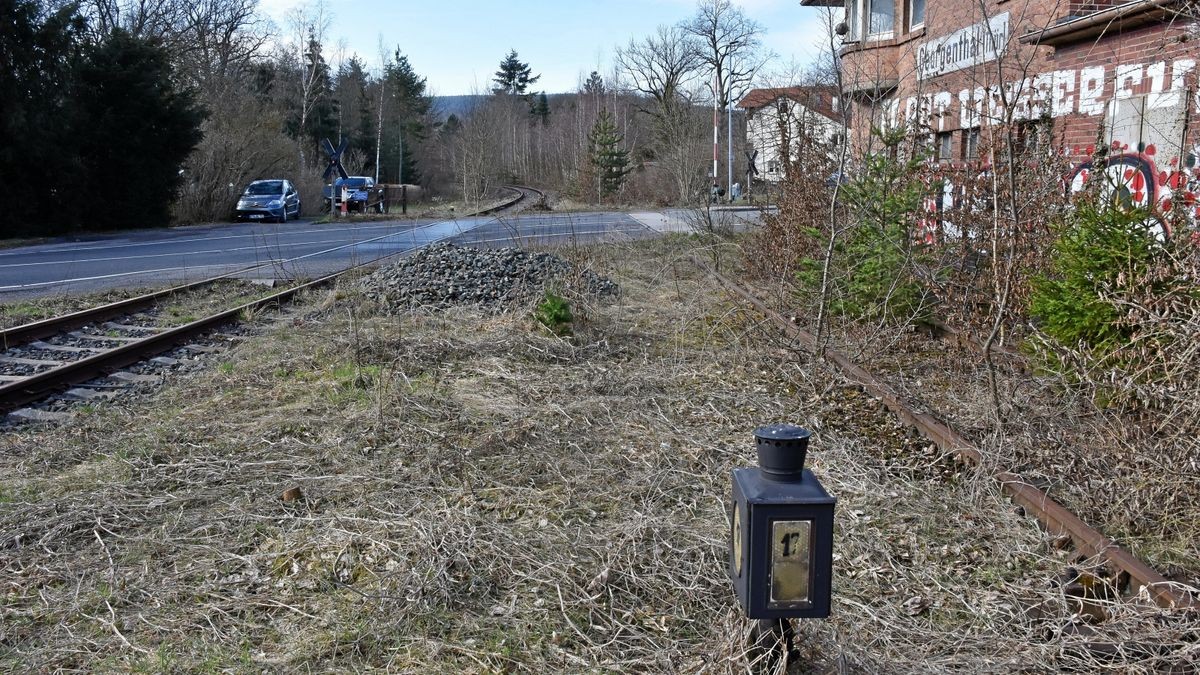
316	115
406	128
541	109
38	48
356	110
514	77
133	127
609	163
594	85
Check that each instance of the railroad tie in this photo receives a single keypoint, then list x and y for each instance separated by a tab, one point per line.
85	394
46	346
21	361
132	329
134	378
36	416
114	338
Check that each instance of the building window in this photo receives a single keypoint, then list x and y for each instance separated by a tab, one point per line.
773	166
879	19
916	14
945	146
882	19
923	146
1029	138
971	151
854	20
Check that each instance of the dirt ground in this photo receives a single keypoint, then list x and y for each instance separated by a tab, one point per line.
461	492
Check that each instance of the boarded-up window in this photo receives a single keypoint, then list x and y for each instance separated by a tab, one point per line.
1133	126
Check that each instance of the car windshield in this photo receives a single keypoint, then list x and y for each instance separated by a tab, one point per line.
265	187
355	182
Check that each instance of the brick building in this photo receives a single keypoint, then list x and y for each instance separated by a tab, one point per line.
1067	75
776	117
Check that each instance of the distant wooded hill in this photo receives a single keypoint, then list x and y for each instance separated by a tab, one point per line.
459	106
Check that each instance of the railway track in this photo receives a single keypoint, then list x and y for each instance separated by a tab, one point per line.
83	353
1056	518
525	197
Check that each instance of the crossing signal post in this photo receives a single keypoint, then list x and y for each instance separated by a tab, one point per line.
334	167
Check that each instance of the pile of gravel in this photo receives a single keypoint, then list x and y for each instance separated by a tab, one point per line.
444	275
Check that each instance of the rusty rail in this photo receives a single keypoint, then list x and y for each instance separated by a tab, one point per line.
19	335
1056	518
36	387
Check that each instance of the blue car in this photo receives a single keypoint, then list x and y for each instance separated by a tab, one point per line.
357	190
274	199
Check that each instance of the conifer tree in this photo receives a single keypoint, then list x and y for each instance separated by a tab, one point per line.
405	126
133	128
514	76
609	163
594	85
541	109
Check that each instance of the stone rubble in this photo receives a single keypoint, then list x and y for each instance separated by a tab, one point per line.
444	275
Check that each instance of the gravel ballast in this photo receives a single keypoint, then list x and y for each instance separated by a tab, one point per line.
445	275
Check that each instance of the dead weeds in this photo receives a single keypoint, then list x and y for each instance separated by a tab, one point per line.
457	492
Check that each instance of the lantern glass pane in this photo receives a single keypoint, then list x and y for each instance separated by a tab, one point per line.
791	561
736	534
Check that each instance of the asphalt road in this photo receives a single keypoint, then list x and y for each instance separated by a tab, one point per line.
293	250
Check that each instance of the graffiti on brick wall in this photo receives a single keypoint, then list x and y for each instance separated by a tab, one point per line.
1133	177
1084	91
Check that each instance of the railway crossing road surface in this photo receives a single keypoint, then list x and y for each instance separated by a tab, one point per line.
298	249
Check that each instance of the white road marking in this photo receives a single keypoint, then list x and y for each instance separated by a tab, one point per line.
48	248
272	262
79	261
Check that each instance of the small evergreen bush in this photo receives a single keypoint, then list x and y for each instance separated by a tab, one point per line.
875	263
554	312
1101	249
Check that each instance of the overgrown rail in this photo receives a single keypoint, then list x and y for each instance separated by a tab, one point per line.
1054	516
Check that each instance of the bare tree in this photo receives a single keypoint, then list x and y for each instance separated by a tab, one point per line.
221	39
309	24
731	46
660	68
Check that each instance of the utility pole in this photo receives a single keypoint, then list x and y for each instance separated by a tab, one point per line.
729	131
716	130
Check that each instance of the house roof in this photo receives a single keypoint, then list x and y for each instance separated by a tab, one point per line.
817	99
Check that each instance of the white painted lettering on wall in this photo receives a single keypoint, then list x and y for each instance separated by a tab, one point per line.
1086	91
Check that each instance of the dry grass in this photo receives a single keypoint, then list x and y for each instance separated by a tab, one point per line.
174	310
20	312
1096	462
476	495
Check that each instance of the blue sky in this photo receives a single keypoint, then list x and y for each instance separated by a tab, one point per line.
458	44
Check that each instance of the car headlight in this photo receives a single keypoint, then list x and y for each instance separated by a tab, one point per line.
243	203
274	203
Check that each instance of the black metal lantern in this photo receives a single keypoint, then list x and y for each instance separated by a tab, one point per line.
781	543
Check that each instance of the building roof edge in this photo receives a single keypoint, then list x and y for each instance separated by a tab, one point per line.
1128	15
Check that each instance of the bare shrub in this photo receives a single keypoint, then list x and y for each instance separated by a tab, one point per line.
241	143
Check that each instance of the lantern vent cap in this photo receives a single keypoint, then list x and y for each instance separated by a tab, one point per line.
782	449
